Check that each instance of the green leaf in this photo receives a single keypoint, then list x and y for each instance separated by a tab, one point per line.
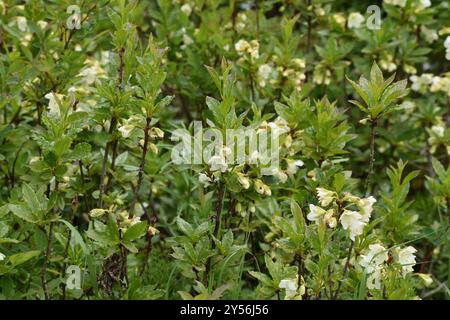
20	258
76	236
22	212
185	227
135	231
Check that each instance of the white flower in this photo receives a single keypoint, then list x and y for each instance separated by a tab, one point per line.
447	42
429	34
204	179
374	279
187	40
2	256
42	24
157	133
125	130
352	221
264	71
400	3
292	166
95	213
325	196
262	188
281	176
424	4
22	23
293	292
355	19
218	163
241	46
92	73
53	106
419	83
279	126
244	180
426	278
373	258
319	215
438	130
186	8
406	258
315	213
329	219
366	207
300	63
291	286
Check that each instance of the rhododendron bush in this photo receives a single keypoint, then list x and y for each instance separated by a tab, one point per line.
225	149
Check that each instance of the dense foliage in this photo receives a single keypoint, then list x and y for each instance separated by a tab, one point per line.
96	98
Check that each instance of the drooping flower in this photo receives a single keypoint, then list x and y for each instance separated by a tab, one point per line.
366	207
186	8
293	165
22	24
262	188
373	258
320	215
204	179
241	46
374	279
426	278
293	292
325	196
399	3
2	256
406	258
95	213
53	105
355	19
353	222
315	213
421	83
126	130
244	180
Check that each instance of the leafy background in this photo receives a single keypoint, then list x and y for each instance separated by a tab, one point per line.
86	121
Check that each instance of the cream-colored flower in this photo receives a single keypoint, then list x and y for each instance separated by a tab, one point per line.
186	8
355	19
264	71
244	180
2	256
399	3
426	278
126	130
22	24
447	42
241	46
353	222
42	24
366	207
262	188
156	133
95	213
406	258
293	165
375	256
53	105
204	179
218	162
374	279
293	292
325	196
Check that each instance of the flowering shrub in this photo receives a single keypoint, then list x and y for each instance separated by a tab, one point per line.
192	149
